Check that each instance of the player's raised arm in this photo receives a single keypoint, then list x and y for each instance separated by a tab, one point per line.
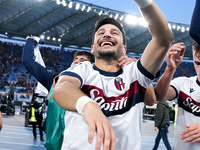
174	57
162	36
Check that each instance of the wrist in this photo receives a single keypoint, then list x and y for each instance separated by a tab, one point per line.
143	3
81	102
170	70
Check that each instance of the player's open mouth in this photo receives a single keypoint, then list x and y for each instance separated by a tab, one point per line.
104	43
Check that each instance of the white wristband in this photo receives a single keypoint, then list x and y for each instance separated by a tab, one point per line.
143	3
80	104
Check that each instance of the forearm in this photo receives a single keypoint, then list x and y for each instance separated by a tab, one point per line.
157	24
150	97
66	95
163	84
161	38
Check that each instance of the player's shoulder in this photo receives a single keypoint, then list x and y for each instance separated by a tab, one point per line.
86	65
184	80
187	78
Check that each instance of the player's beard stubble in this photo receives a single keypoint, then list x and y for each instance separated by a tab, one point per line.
109	55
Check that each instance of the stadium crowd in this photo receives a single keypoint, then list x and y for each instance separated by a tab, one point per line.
13	73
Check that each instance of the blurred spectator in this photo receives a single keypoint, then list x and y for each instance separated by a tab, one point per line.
35	117
162	123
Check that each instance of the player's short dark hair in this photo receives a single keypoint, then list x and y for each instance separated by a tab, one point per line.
89	55
109	20
196	49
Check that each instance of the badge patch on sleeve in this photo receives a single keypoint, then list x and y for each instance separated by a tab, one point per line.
72	67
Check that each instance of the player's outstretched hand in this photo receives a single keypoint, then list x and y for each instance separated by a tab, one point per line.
98	123
191	134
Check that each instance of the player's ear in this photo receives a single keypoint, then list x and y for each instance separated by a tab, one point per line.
92	46
124	50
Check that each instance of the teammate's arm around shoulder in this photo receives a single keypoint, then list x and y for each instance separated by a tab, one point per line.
162	37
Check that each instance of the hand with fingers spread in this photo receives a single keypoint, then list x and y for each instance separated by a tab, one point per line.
98	123
191	134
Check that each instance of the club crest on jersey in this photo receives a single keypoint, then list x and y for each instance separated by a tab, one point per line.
119	83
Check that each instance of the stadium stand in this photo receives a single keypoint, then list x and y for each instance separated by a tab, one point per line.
13	73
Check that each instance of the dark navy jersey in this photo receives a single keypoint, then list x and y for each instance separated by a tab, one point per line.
195	23
37	70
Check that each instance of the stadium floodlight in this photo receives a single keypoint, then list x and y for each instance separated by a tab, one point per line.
187	29
83	8
116	16
70	4
130	19
178	28
64	3
48	37
100	13
77	6
42	37
58	2
6	33
59	39
142	22
122	16
174	26
182	29
111	15
170	26
54	39
106	12
89	8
